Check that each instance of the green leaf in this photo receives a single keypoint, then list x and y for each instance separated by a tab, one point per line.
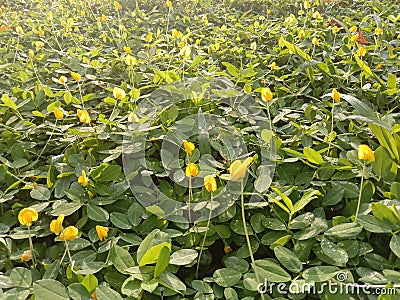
385	214
183	257
103	292
344	231
231	69
236	263
285	199
78	292
40	193
307	198
333	251
395	245
320	273
121	259
268	269
372	224
172	282
97	213
50	289
90	283
288	259
226	277
383	162
162	261
313	156
9	102
274	224
21	277
152	254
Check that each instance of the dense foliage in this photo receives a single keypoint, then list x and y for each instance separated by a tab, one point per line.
78	76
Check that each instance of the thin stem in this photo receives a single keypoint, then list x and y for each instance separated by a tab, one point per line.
31	245
247	234
190	195
332	121
359	196
204	239
69	254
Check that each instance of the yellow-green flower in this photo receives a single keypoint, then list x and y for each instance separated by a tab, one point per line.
62	79
119	93
316	15
56	225
353	29
130	60
378	31
191	170
58	113
335	29
83	116
185	51
307	5
273	66
366	153
149	37
315	41
69	234
238	168
83	179
102	232
266	94
189	147
76	76
361	52
19	30
210	183
335	95
27	215
31	53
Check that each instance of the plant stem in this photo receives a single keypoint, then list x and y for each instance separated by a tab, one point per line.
31	245
359	196
247	235
204	239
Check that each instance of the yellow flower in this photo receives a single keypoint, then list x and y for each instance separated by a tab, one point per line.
168	3
58	113
39	45
83	116
83	179
353	29
266	94
122	27
378	31
102	232
31	53
149	37
19	30
56	225
301	33
76	76
316	15
238	168
189	147
335	29
335	95
366	153
62	79
210	183
119	93
378	67
130	60
315	41
181	44
41	32
300	12
69	234
354	37
307	5
49	16
191	170
253	46
185	51
273	66
176	34
361	52
27	215
27	255
117	6
104	17
128	49
85	60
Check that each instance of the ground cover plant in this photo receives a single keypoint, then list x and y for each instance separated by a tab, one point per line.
290	179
